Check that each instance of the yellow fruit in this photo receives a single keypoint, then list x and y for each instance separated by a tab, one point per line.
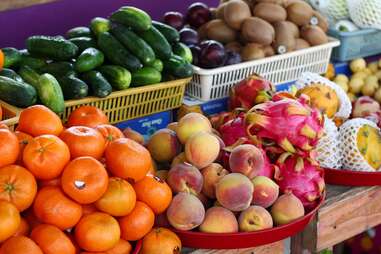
185	109
373	66
357	65
368	71
341	78
371	80
369	145
379	63
360	75
355	85
343	85
378	74
377	95
330	74
368	89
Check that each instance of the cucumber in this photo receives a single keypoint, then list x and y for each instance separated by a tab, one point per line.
157	64
29	75
17	93
132	17
171	34
145	76
50	93
98	85
73	88
80	31
58	69
33	62
11	57
99	25
116	53
9	73
178	67
158	43
90	59
183	51
84	43
119	77
134	43
55	48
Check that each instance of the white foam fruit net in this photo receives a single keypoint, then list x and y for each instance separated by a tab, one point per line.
329	154
352	157
309	78
365	13
332	9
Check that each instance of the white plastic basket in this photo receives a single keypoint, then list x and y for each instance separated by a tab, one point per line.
210	84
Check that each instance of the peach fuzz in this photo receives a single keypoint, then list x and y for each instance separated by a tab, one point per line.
212	175
191	124
255	218
266	191
185	177
164	145
286	209
219	220
202	149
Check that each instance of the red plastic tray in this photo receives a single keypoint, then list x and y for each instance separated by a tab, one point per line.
137	248
194	239
351	178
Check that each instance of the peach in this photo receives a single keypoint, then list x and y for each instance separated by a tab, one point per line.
286	209
180	158
162	174
134	135
235	192
164	145
219	220
212	174
185	177
255	218
246	159
266	191
185	212
191	124
202	149
172	126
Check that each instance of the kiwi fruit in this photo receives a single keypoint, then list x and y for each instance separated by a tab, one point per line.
234	46
284	38
320	20
235	12
300	13
286	3
280	2
270	12
252	51
202	31
218	30
293	28
314	35
269	51
257	30
301	44
220	11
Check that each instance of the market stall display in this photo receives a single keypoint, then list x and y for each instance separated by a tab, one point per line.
8	117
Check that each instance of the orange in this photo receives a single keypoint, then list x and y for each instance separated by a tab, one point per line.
97	232
138	223
39	120
87	116
88	209
51	182
52	240
46	156
9	149
84	141
18	186
24	139
127	159
109	132
161	241
2	59
3	126
154	192
20	245
23	229
85	180
51	206
119	199
122	247
9	220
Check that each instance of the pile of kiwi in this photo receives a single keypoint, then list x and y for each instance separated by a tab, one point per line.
262	28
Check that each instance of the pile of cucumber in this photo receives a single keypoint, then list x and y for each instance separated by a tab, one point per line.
126	50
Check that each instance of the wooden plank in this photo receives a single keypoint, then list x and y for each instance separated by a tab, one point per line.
15	4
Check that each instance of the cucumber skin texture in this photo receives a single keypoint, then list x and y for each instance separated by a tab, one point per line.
183	51
79	31
73	88
89	59
84	43
99	25
58	69
12	57
119	77
16	93
29	75
178	67
146	76
134	44
171	34
98	84
33	62
158	43
56	48
157	64
50	93
9	73
132	17
116	53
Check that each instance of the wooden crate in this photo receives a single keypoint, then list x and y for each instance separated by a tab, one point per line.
10	117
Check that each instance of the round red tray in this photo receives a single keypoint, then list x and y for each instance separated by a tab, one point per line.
351	178
137	248
194	239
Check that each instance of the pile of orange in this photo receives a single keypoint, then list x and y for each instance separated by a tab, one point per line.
77	189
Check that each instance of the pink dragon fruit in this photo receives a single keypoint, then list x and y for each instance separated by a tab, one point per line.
292	124
301	176
249	92
365	106
233	130
375	117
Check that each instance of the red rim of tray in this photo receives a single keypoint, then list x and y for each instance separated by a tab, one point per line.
195	239
138	247
351	178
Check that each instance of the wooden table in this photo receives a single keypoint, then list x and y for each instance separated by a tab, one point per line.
346	213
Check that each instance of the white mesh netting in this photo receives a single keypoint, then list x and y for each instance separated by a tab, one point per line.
309	78
365	13
332	9
352	157
328	150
